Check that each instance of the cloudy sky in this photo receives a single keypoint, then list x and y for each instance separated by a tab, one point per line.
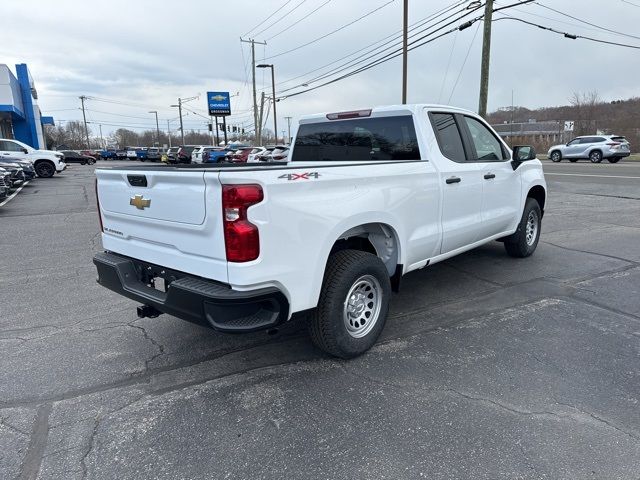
136	56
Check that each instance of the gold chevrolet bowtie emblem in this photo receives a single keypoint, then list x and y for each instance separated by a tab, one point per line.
139	202
219	98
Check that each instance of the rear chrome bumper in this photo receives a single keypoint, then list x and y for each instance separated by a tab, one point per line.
195	299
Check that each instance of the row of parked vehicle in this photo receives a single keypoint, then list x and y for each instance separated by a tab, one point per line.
199	154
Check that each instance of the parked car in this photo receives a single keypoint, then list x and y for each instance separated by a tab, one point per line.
17	176
257	151
108	154
367	197
45	162
132	153
5	181
171	154
121	154
71	156
196	154
278	154
142	154
241	155
184	153
216	155
262	157
593	147
153	154
27	166
90	153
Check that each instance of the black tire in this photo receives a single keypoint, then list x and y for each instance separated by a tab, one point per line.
347	270
524	242
614	159
573	160
556	156
595	156
45	169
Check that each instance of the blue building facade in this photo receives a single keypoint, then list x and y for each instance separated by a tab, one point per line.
20	115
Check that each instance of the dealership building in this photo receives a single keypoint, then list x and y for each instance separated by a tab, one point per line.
20	116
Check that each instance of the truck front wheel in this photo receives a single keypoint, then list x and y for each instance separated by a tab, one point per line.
524	242
353	305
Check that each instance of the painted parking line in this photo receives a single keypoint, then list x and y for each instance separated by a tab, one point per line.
10	197
587	175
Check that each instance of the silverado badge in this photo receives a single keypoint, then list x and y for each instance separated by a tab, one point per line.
139	202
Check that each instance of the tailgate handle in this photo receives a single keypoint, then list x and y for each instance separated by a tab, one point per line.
137	180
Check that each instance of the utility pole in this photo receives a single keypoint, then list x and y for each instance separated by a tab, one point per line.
169	133
486	57
86	130
288	119
157	127
224	127
217	133
180	113
405	41
273	90
101	139
253	70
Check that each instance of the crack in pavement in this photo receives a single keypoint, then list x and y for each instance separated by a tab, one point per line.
516	410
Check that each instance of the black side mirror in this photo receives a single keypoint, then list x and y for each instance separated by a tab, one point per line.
522	153
24	150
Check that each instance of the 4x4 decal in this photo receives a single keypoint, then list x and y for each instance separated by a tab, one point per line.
299	176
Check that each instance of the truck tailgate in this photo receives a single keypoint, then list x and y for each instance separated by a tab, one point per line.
169	218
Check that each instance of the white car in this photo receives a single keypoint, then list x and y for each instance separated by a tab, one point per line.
255	153
196	155
613	148
367	197
45	162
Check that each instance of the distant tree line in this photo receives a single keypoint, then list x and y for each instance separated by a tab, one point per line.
72	135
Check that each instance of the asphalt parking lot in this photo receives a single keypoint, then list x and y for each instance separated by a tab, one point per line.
489	367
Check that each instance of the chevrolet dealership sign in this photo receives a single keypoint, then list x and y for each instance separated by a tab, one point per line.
219	103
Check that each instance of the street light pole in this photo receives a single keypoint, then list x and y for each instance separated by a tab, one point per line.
273	90
157	127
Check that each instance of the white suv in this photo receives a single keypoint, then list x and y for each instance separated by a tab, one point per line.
594	147
45	162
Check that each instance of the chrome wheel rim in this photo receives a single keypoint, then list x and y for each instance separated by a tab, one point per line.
362	306
595	157
532	228
555	156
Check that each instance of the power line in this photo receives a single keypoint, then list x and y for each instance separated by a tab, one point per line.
414	26
424	40
280	19
589	23
371	12
264	21
569	35
631	3
297	22
392	54
455	85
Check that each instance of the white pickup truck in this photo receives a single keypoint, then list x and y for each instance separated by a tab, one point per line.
366	197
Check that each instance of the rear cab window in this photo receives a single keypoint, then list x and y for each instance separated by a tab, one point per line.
362	139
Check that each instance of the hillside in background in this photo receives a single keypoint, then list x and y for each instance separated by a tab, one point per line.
591	116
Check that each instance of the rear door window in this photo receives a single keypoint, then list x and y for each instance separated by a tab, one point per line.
362	139
449	137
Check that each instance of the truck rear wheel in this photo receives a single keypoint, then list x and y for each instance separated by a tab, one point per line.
524	242
353	305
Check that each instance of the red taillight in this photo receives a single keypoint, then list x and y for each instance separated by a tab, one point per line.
347	115
241	237
98	204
